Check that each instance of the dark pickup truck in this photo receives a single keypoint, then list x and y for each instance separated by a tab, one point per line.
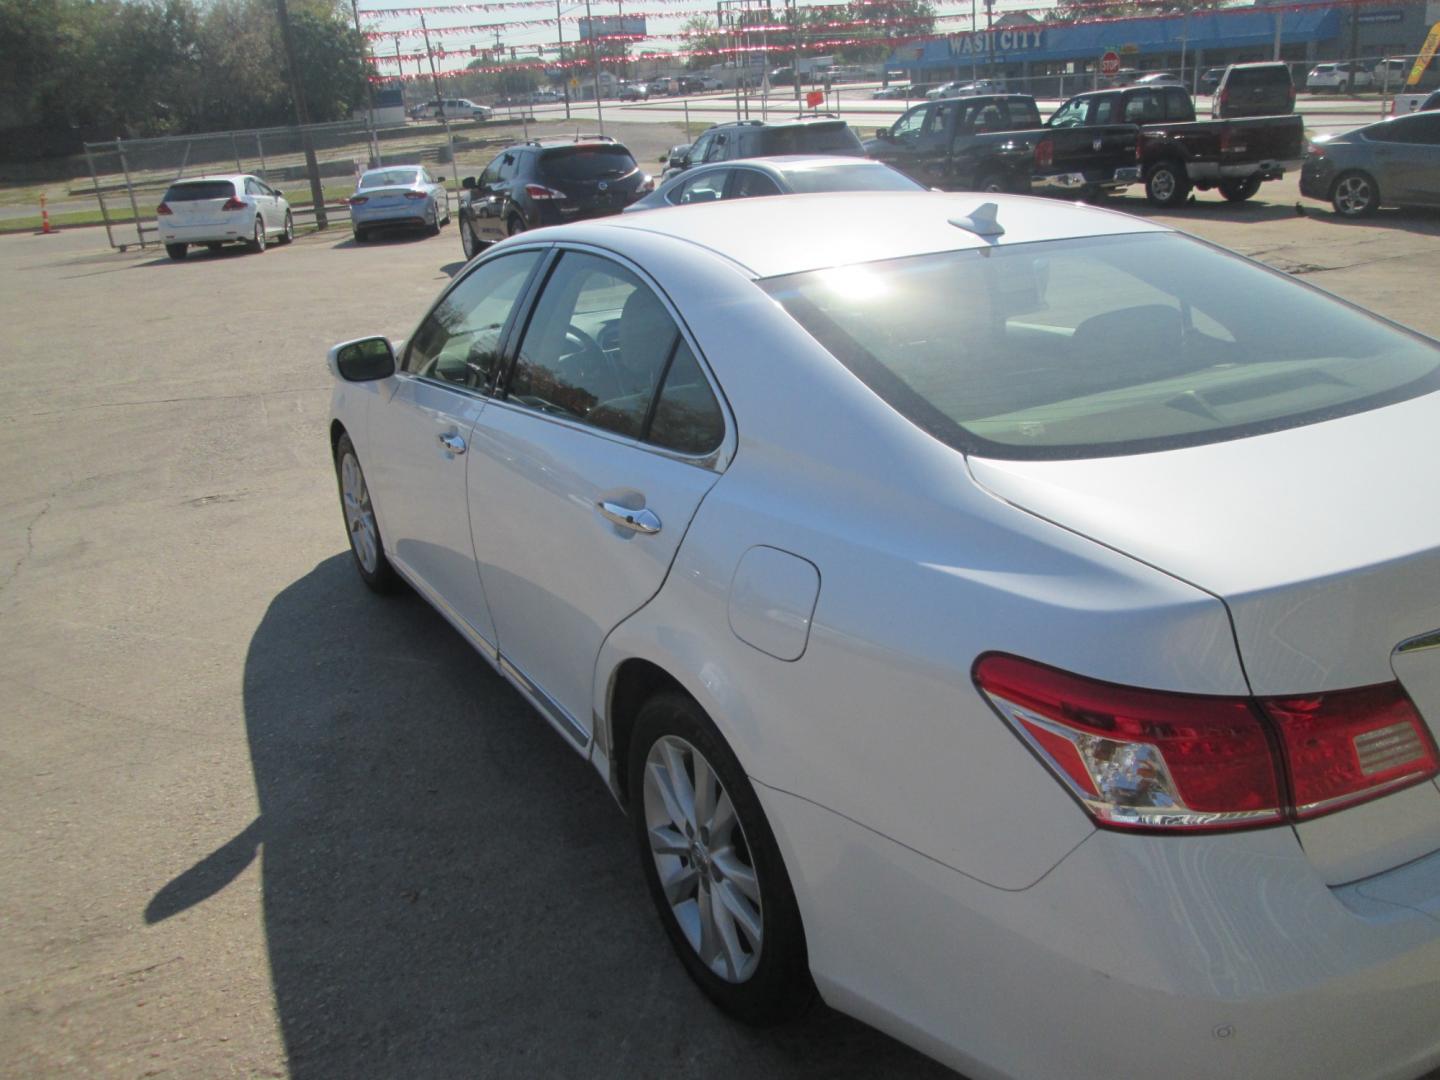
1095	143
996	142
1176	152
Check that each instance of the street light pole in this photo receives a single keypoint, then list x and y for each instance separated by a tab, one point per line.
369	89
974	33
594	68
439	100
560	44
302	116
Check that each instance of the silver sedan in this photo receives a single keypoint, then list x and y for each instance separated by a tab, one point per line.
791	175
398	195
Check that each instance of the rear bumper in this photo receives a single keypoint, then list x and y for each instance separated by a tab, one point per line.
1213	171
241	229
1213	956
1063	183
414	213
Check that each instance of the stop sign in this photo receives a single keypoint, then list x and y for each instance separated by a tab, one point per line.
1110	63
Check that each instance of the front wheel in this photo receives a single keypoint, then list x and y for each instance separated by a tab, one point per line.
468	243
713	867
177	251
996	182
1239	190
1355	195
360	524
1167	184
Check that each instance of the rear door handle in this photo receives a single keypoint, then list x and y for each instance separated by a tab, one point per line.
452	444
641	521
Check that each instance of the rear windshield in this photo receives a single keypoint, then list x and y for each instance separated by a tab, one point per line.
587	163
1267	77
195	190
388	178
836	138
857	177
1102	346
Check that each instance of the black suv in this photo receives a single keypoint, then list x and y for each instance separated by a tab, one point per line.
548	182
1253	90
818	134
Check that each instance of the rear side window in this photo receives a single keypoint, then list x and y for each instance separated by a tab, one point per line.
196	190
1144	108
1021	114
828	138
1178	105
586	163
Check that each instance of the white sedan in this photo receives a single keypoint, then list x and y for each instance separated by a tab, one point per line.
216	210
1015	621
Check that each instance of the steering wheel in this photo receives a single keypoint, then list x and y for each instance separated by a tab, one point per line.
587	343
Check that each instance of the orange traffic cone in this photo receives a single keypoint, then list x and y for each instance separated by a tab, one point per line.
45	228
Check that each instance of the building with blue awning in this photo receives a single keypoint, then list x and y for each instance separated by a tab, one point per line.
1058	58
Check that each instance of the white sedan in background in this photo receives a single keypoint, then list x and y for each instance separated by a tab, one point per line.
1017	622
217	210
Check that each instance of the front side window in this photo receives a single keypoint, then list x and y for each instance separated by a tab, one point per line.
1071	114
912	123
707	188
1102	346
459	341
599	348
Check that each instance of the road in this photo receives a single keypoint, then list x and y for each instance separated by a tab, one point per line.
259	822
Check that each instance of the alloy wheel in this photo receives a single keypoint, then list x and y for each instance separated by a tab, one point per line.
1163	185
359	514
702	859
1353	195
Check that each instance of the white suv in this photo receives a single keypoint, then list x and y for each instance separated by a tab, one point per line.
215	210
1342	77
456	109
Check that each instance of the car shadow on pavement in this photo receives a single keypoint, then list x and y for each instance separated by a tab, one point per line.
1213	209
448	890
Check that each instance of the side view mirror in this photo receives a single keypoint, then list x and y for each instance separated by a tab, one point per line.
440	178
363	360
882	133
468	183
665	159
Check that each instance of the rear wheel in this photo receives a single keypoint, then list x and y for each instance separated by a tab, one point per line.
1166	183
360	524
514	225
433	228
359	235
288	232
177	251
713	867
1239	190
257	241
1355	195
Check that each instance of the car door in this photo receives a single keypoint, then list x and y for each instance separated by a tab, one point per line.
487	200
1408	159
585	471
419	429
264	204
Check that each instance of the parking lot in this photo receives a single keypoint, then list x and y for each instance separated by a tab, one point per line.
261	822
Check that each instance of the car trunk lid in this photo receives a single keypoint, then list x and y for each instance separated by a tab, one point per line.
385	196
1326	553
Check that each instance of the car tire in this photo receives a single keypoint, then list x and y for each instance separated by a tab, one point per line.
177	251
1166	183
995	181
469	243
360	236
257	241
361	526
1355	194
433	227
287	234
514	225
1239	190
731	880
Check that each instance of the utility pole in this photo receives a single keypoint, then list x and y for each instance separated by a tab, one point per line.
974	53
302	116
560	44
594	68
1354	37
795	31
369	89
990	38
439	99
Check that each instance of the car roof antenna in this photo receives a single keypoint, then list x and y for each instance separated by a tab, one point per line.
981	221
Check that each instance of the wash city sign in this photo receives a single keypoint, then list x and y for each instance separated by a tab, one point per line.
982	43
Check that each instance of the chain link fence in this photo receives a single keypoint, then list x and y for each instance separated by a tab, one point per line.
130	175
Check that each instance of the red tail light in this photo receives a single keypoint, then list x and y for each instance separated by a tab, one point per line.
1349	746
358	200
233	203
415	195
1150	759
1224	99
1044	154
163	208
540	191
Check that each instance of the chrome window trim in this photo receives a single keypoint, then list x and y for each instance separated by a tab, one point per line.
717	460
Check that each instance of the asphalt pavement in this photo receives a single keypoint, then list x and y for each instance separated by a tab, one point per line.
260	822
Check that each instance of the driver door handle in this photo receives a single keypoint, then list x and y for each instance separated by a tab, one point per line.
452	444
641	521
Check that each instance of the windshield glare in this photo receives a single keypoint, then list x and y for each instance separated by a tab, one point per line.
1102	345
